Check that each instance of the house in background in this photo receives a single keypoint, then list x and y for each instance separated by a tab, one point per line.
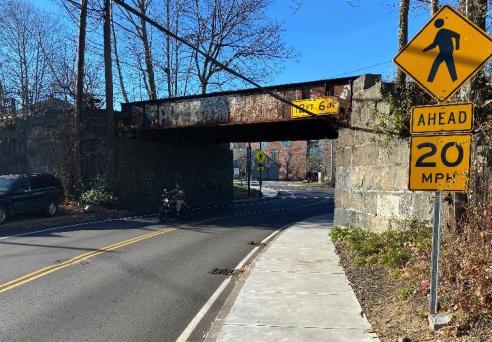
289	160
271	172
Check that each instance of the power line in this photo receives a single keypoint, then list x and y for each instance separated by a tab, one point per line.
237	74
210	58
360	69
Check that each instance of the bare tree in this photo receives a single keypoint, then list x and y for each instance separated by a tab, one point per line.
238	33
177	60
477	89
140	31
119	69
24	32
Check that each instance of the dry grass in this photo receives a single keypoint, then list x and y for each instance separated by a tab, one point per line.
394	295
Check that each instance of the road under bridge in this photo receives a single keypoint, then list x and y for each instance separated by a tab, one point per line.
186	138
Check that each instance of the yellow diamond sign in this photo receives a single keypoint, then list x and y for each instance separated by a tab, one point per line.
260	157
445	53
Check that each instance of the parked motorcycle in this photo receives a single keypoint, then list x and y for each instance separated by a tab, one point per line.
169	205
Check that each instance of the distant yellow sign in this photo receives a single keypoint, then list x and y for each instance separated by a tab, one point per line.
442	118
445	53
440	162
260	168
260	157
320	106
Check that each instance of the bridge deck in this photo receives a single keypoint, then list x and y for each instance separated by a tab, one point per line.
243	115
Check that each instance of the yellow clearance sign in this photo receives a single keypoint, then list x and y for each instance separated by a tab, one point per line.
320	106
443	118
440	162
445	53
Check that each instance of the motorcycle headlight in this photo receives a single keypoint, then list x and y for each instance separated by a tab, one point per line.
166	200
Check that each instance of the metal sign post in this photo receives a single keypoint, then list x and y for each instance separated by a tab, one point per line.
261	173
248	161
436	242
440	161
261	159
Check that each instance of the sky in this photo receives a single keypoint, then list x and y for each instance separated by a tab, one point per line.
336	39
333	38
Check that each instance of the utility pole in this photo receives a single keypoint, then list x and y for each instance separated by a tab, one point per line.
332	167
261	174
79	95
434	4
248	162
108	77
402	38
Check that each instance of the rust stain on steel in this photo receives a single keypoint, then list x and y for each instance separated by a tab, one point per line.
231	108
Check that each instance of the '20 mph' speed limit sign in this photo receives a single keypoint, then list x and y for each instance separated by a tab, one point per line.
440	162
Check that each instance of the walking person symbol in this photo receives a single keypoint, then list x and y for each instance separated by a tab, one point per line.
443	40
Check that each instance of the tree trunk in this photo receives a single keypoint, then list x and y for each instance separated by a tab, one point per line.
170	91
476	11
108	77
402	38
148	56
79	94
118	65
434	6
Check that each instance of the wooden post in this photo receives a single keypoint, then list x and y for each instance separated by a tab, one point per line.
108	77
79	98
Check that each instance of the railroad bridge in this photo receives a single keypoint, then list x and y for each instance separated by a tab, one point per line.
187	137
243	115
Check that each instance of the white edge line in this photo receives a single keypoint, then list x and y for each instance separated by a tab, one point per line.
246	258
269	237
196	320
203	311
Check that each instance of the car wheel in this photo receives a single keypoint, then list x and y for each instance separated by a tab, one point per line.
3	215
52	209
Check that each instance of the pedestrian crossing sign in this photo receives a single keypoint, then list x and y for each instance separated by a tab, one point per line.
445	53
260	157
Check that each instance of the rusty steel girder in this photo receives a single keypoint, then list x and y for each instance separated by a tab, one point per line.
234	107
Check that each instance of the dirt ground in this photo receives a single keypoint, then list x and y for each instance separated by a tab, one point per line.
396	304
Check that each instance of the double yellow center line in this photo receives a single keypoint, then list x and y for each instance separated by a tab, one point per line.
56	267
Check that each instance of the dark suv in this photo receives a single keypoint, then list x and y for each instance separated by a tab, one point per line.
28	193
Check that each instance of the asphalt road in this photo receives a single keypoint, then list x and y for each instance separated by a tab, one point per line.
133	279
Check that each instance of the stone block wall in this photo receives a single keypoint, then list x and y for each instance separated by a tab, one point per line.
146	166
43	143
39	143
371	173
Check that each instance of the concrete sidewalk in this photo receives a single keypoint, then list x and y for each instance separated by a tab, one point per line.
297	291
266	192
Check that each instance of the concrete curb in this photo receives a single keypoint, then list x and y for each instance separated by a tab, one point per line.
266	192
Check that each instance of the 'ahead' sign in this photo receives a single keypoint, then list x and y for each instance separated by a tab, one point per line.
442	118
